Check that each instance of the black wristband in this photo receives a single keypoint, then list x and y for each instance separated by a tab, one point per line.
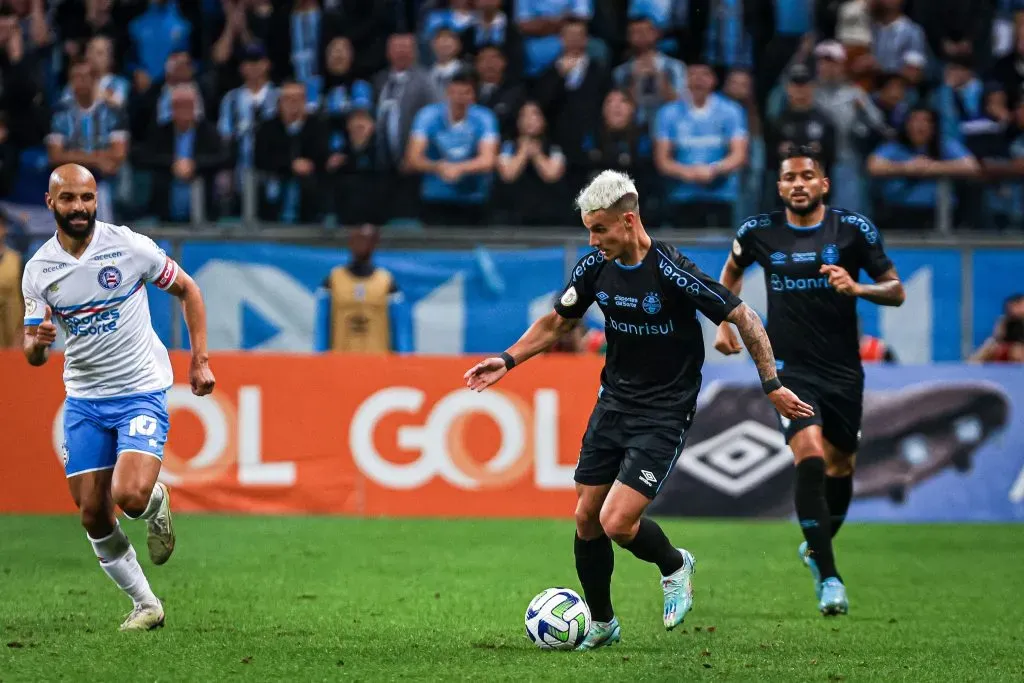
771	385
510	362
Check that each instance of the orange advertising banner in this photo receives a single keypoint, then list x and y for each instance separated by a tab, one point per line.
331	434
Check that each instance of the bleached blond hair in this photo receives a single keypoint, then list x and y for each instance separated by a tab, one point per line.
609	189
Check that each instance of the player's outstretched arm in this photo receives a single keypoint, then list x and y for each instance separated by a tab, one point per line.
732	277
539	337
39	338
199	374
755	338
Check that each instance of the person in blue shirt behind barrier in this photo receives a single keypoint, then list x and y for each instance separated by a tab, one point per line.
454	144
359	307
908	171
699	146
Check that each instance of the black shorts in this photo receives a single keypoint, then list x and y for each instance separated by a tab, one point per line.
837	410
639	450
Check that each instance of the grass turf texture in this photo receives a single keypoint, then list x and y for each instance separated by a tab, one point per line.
321	599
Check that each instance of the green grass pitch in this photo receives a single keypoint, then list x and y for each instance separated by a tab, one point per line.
316	599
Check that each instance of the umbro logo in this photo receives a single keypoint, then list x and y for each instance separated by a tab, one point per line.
739	459
647	477
602	297
777	258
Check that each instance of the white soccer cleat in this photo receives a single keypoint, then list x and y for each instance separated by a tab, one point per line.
160	541
144	618
678	590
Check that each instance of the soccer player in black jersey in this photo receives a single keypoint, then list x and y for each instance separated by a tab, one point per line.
812	255
649	294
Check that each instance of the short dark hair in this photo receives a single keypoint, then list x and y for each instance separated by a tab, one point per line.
801	152
464	76
576	20
490	46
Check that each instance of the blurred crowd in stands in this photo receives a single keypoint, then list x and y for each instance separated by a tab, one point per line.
465	112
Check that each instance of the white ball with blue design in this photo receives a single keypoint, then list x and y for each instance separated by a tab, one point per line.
557	619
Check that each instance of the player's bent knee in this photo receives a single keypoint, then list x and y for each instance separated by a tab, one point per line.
97	520
618	525
839	467
588	521
807	443
133	499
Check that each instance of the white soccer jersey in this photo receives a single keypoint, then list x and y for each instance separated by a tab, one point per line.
100	302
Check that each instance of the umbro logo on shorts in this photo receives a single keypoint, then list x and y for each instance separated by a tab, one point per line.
647	477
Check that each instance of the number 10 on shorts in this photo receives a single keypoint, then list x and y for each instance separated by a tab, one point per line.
142	425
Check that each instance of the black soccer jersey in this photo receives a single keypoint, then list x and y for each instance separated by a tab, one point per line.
655	345
810	325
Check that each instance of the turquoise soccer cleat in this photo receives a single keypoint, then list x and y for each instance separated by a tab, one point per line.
601	634
805	557
678	590
833	598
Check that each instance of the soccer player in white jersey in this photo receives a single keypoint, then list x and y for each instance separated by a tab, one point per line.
90	278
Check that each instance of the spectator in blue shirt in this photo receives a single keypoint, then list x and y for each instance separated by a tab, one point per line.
653	78
700	145
456	17
154	35
909	170
89	132
959	99
540	22
454	144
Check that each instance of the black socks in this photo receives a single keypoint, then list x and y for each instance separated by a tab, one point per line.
652	545
594	563
838	492
812	512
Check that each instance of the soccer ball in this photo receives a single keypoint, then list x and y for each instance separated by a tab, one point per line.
557	619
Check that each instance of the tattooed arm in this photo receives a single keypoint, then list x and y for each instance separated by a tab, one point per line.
756	340
748	322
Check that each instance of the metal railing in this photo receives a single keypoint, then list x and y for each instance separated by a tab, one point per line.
249	224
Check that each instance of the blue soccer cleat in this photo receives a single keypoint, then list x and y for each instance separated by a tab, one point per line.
678	590
805	557
833	598
601	634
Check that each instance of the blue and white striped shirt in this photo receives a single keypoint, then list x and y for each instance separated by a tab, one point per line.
88	130
240	111
728	43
